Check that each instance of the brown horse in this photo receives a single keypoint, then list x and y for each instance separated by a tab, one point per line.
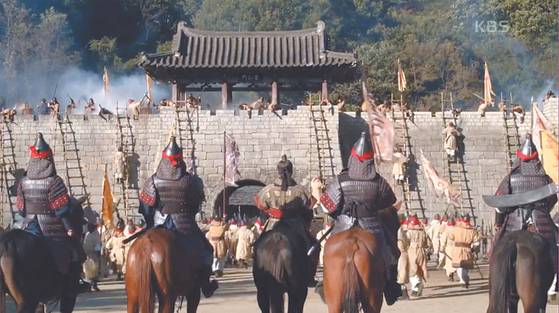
28	272
159	265
354	268
521	268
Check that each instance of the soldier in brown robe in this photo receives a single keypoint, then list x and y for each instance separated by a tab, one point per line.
417	253
216	236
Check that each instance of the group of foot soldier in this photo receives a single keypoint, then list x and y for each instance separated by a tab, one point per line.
172	197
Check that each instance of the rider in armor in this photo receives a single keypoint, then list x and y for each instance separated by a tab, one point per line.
48	211
291	203
528	174
355	195
170	199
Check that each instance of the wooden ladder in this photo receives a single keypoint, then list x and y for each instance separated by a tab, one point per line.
325	157
413	201
512	135
456	171
8	168
72	161
184	132
129	193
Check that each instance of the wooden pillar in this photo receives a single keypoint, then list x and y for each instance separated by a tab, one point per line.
275	93
174	92
226	94
324	91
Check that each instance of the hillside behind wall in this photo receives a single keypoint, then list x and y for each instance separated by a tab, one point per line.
263	138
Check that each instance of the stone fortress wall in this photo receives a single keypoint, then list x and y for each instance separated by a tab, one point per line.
262	139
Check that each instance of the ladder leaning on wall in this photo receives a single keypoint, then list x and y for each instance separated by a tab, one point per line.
129	193
8	170
75	180
456	170
413	201
184	131
512	134
324	160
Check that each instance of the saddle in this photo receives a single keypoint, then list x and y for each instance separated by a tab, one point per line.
370	224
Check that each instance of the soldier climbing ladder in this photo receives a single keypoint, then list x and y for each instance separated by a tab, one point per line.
321	135
512	135
8	169
75	179
413	201
455	168
184	132
128	192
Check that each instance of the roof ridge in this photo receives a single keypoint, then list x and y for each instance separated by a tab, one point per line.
318	30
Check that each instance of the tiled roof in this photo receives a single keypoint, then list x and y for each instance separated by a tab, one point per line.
194	48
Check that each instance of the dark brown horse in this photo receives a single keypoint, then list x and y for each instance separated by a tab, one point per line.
354	268
159	265
281	266
28	272
521	268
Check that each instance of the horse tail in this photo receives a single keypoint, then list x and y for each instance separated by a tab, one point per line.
276	259
351	288
145	295
502	277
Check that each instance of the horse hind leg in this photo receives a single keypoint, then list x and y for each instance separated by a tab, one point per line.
276	301
263	300
192	301
167	303
297	301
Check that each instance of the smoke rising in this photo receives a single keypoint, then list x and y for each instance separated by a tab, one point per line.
81	85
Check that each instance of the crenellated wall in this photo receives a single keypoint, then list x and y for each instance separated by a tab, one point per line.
262	139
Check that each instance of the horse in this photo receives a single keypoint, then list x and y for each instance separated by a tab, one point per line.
521	268
28	272
354	267
159	265
281	266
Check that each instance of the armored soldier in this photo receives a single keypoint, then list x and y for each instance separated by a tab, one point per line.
358	192
48	210
170	199
290	202
526	175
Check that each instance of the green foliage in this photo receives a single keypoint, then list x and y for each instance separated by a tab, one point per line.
439	45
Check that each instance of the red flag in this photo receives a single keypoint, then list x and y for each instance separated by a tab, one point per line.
382	135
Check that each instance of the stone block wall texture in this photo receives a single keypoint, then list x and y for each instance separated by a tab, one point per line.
262	139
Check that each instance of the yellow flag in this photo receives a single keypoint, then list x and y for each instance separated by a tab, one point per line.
402	84
487	87
107	205
550	155
149	86
106	89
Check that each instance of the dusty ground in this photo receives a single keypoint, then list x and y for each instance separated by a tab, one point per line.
237	295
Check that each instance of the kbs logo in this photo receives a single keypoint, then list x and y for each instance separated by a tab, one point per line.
492	26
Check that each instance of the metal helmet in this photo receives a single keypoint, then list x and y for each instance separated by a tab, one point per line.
40	150
363	150
285	165
361	163
528	150
173	152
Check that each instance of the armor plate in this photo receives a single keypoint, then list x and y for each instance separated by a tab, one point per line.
177	196
40	196
362	198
